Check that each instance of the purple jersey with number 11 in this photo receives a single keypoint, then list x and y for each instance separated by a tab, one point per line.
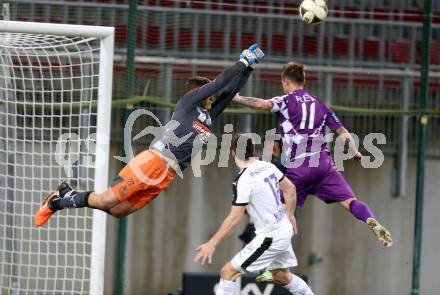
302	118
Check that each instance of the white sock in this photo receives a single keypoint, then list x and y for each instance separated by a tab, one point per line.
298	287
225	288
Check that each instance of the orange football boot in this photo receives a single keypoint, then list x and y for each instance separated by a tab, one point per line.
44	213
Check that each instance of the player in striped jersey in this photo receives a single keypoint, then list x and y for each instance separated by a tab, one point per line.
302	118
257	191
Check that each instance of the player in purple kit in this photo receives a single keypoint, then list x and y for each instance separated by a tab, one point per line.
302	118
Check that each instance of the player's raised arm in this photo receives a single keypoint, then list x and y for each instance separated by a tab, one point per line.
234	86
206	250
193	98
289	193
228	93
253	102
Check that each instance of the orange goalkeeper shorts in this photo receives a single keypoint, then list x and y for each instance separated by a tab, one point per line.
142	179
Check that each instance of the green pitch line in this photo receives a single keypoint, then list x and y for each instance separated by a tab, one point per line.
161	102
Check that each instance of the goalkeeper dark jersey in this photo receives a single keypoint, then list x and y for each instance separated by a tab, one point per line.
193	122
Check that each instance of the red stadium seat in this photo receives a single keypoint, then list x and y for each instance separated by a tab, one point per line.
185	37
337	11
295	44
117	68
279	43
310	44
245	6
397	14
277	8
153	34
166	3
400	50
351	12
198	5
386	14
230	5
263	41
201	39
246	40
340	45
169	37
261	6
233	40
214	6
216	39
120	34
435	52
413	15
290	10
140	33
436	17
371	47
381	13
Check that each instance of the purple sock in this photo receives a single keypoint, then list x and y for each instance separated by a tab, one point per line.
360	210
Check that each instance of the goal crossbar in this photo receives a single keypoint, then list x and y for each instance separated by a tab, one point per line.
56	29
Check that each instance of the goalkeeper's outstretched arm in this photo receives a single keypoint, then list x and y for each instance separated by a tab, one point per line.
253	55
253	102
193	98
229	92
247	58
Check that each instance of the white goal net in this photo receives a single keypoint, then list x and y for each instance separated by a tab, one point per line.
54	117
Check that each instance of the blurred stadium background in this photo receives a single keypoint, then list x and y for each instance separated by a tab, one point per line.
364	60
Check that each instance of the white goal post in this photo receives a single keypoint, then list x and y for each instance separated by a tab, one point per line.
55	105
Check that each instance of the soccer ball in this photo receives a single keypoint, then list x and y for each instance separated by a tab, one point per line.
313	11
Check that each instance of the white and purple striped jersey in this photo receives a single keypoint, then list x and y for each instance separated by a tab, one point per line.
302	118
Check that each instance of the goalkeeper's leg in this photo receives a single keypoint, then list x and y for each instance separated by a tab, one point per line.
128	193
66	197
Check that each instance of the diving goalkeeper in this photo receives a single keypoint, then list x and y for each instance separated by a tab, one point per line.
194	114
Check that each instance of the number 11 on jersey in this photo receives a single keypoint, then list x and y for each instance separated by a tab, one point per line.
304	116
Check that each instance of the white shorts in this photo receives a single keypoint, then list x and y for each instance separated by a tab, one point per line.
265	252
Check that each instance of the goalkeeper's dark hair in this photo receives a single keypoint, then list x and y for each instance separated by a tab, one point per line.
196	82
243	146
294	72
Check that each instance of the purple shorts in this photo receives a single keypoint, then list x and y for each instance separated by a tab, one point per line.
323	181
